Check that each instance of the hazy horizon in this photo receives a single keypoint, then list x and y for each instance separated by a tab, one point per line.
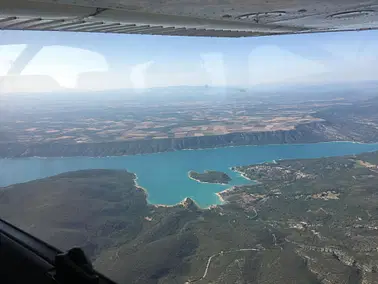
66	62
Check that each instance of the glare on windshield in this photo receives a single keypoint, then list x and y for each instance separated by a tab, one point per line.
193	159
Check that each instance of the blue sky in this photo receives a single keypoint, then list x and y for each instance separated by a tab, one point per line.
89	61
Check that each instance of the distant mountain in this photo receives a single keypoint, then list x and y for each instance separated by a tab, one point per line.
346	90
287	93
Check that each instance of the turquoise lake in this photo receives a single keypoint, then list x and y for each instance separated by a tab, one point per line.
165	175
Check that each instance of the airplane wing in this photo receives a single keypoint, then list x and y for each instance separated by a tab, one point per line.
216	18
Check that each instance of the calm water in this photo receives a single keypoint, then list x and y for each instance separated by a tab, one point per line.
165	175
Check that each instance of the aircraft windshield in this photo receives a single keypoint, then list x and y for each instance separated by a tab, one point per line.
195	160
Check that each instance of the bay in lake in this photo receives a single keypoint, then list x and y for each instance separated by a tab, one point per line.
165	175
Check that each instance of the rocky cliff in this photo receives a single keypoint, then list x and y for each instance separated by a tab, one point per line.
306	133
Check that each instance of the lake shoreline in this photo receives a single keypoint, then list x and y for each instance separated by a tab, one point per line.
241	174
180	150
164	176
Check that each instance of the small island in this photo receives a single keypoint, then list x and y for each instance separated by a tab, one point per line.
210	177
